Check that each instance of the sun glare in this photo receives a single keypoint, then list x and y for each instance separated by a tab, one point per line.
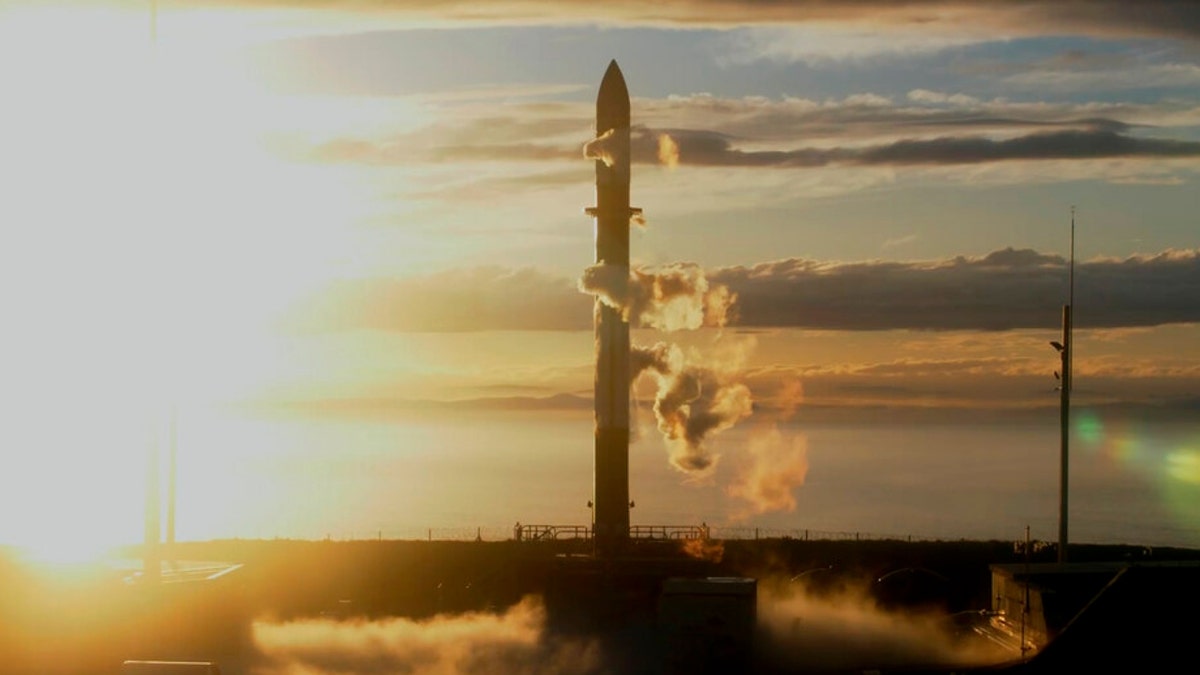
148	198
66	552
156	243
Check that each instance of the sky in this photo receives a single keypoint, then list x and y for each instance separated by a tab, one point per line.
330	205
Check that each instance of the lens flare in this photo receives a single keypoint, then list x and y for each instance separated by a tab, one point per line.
1088	427
1184	465
1181	486
1160	454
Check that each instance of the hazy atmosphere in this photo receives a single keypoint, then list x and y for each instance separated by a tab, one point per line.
343	245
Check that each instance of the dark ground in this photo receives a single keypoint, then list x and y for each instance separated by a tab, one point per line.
89	620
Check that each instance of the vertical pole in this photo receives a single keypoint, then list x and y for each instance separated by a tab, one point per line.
1071	271
1065	432
1071	290
172	471
151	560
1068	381
1025	601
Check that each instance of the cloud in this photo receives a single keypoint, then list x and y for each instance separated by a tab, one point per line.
938	98
819	43
1145	77
1078	70
775	461
697	398
927	128
1003	290
670	297
704	148
1017	378
515	641
481	298
899	241
924	113
1103	18
841	627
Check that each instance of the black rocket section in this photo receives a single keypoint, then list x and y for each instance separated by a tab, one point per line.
612	101
610	515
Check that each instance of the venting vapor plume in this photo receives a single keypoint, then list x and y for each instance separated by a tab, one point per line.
512	642
672	297
668	151
775	462
692	402
606	147
662	358
803	630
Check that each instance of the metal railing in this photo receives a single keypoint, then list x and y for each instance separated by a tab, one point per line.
551	532
805	534
639	532
668	532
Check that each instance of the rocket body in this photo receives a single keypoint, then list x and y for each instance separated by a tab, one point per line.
610	517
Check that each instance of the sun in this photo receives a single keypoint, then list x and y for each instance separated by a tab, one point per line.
61	553
154	241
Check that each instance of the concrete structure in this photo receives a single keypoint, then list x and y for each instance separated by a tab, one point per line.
1098	617
610	502
707	623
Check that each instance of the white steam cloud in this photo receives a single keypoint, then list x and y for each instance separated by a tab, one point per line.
671	297
606	146
466	644
692	403
775	462
805	630
777	465
668	151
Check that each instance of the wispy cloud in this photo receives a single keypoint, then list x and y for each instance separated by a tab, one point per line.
1003	290
830	42
703	148
1132	77
928	128
452	301
899	241
1025	17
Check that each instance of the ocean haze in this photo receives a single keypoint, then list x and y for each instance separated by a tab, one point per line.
446	473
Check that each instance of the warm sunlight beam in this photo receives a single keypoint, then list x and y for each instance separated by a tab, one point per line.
156	243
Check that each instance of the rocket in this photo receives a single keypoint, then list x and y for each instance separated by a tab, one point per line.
610	514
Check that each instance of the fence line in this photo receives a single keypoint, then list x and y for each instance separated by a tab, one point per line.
535	532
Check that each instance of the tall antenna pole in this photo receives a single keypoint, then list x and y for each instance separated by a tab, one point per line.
1071	272
151	555
1068	378
172	472
152	561
1071	295
1064	410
